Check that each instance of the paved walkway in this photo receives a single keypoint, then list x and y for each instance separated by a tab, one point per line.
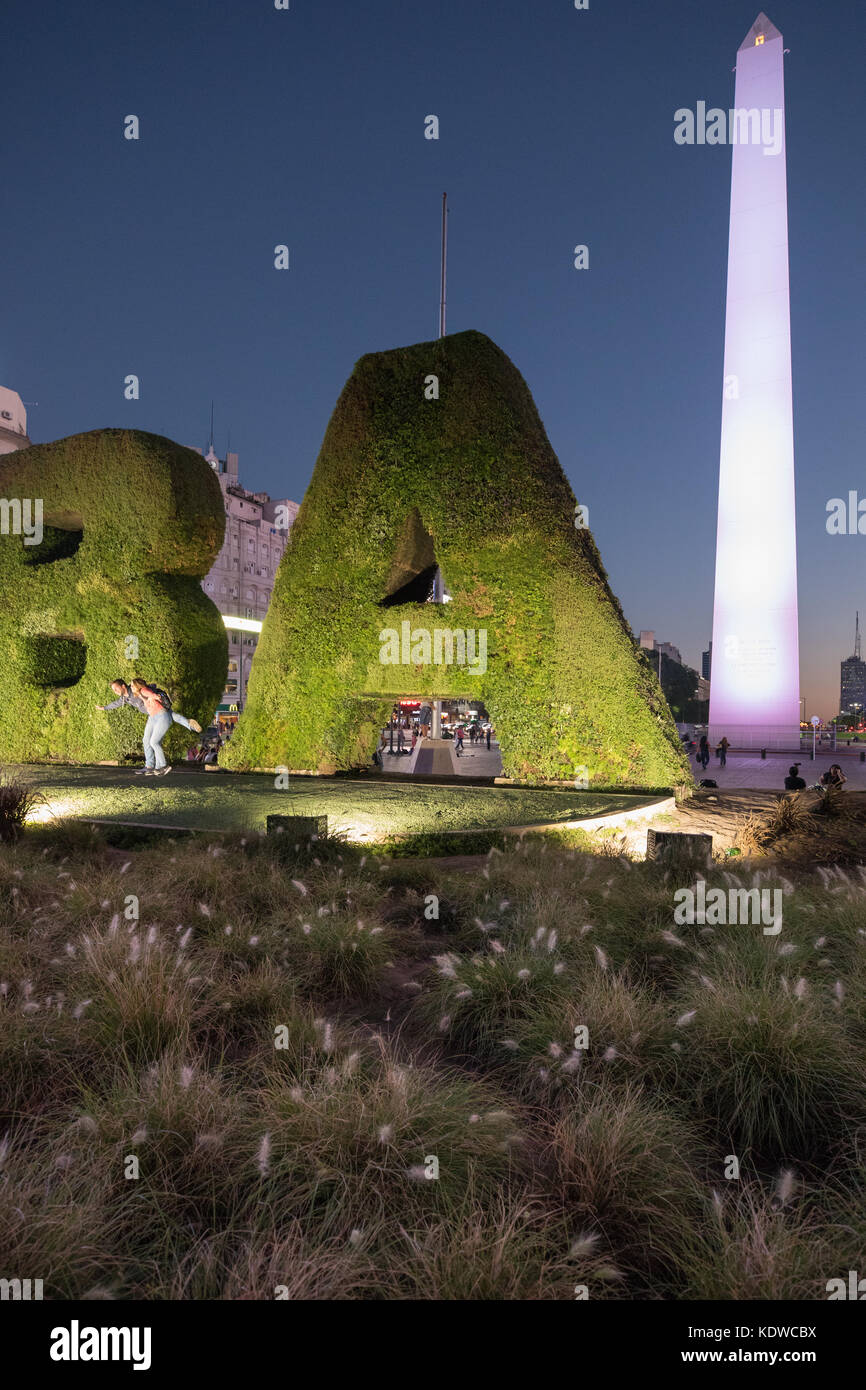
433	757
438	756
753	771
743	770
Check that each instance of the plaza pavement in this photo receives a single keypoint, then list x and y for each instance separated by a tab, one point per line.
473	762
750	770
743	770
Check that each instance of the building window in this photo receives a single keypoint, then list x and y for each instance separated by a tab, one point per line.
759	39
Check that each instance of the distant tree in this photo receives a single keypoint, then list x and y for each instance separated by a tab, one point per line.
679	684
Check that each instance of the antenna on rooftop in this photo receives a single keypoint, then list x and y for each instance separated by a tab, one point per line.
444	264
857	636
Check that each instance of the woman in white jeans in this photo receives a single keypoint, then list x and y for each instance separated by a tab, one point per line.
125	696
159	722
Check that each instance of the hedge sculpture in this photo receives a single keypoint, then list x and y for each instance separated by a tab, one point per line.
131	524
435	456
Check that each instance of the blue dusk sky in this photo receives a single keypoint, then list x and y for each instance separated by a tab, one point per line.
306	127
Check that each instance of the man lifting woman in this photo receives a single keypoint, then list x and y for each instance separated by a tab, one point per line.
155	704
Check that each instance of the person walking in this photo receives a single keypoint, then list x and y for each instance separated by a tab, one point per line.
458	740
722	750
158	724
704	752
489	731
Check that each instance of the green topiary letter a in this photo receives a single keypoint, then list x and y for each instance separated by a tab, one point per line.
461	479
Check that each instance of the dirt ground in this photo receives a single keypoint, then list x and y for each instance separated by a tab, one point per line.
829	835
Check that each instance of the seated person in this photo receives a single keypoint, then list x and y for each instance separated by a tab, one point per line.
834	777
794	782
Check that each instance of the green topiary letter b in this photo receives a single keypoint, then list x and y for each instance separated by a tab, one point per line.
104	540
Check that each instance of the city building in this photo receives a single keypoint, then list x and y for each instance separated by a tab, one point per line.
668	650
852	699
242	579
13	422
755	693
707	663
647	640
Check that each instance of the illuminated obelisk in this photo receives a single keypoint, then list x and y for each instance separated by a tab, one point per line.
754	685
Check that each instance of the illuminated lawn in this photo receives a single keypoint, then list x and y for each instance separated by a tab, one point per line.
364	810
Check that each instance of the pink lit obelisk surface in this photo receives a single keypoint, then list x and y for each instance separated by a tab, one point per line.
754	686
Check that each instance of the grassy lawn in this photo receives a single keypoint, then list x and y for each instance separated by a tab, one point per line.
365	810
227	1068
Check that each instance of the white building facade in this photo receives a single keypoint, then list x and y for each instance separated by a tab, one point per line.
242	579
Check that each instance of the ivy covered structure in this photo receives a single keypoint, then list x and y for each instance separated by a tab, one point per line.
435	459
131	523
